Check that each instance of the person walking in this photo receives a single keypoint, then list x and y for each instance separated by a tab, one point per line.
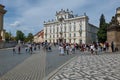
31	50
14	51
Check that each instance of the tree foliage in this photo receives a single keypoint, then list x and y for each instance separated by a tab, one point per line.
102	32
7	36
29	38
20	35
102	20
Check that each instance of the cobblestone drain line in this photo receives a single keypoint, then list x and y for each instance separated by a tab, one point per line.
91	67
49	77
32	68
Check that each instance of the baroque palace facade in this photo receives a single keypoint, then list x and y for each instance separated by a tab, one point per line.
70	28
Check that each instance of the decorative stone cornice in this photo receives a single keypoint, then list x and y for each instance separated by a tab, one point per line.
114	24
2	9
118	8
2	6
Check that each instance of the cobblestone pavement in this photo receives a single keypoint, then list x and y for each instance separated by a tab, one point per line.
91	67
54	60
8	61
33	68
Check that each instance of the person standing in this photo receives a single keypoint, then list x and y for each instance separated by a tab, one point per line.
31	50
107	46
70	49
92	48
112	46
26	49
67	49
14	51
39	46
61	50
19	49
73	49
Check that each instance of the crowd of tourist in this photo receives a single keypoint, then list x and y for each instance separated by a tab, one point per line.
94	48
68	48
29	48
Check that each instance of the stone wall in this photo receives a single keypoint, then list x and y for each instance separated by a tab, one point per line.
115	37
7	44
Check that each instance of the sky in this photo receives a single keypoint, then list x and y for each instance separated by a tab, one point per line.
29	15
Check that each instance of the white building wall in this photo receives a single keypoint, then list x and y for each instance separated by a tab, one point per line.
77	22
44	32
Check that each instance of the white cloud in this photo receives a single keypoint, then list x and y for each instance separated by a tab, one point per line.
32	16
15	24
32	13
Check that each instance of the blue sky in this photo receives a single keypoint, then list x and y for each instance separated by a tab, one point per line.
29	15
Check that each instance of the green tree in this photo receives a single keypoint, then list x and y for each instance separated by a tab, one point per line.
20	36
102	20
102	32
29	37
7	36
13	38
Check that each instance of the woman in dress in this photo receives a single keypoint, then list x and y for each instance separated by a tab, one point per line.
61	50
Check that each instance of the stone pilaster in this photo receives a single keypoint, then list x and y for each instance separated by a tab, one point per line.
2	12
115	37
3	35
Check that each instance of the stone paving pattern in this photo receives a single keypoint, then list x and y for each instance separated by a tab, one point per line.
26	66
8	61
91	67
32	68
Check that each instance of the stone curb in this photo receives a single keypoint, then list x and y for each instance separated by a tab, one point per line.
52	74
